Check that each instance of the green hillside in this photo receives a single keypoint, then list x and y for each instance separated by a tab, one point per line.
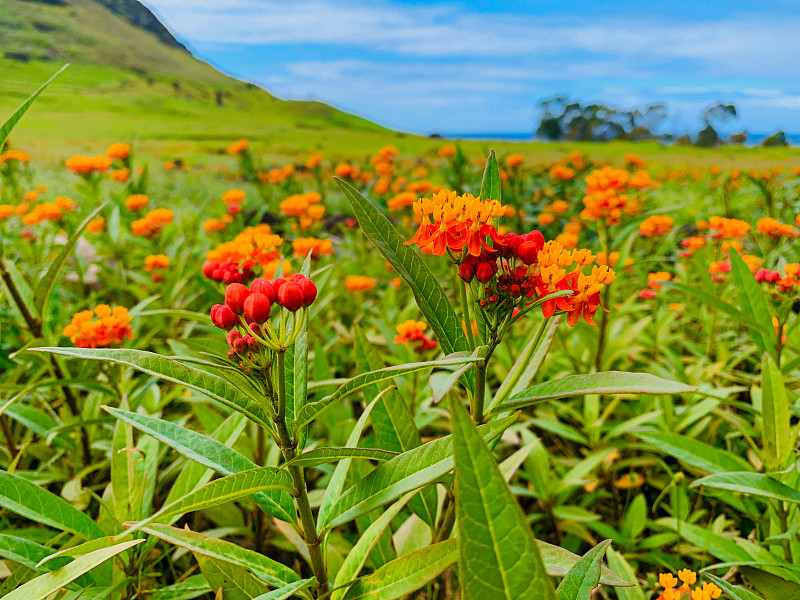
130	79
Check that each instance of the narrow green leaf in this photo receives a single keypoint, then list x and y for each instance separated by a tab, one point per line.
694	453
45	286
211	453
406	574
497	553
12	121
584	576
288	590
32	502
28	553
189	588
607	382
558	562
171	370
311	411
431	298
408	471
324	456
357	557
621	567
265	568
234	582
44	585
753	304
491	187
719	546
733	592
223	490
776	436
752	484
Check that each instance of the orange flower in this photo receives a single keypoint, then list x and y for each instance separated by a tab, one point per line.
213	224
156	261
401	200
97	225
458	222
46	211
728	228
561	173
635	161
514	160
413	331
654	279
302	246
253	246
314	161
607	196
233	197
656	225
121	175
136	202
152	223
239	147
448	150
629	480
112	326
14	156
6	211
87	165
118	151
774	228
359	283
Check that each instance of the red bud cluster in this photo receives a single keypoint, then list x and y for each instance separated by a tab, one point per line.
767	276
226	272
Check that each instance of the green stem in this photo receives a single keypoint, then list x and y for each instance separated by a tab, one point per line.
302	503
467	314
523	362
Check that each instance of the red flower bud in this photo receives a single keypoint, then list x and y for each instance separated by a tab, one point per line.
240	346
233	335
255	328
277	283
290	295
235	295
252	343
262	286
257	307
309	292
231	353
466	272
209	267
484	272
528	252
223	317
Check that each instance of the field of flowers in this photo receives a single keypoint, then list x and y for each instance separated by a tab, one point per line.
430	377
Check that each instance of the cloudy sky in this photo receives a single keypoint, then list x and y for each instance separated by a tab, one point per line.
481	66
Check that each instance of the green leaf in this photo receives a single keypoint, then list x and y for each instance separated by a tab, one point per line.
491	187
771	586
288	590
44	585
751	298
223	490
154	364
406	574
733	592
12	121
584	576
45	286
28	553
408	471
694	453
209	452
265	568
324	456
497	553
717	545
32	502
189	588
752	484
357	557
620	566
607	382
234	582
558	562
776	437
311	411
431	298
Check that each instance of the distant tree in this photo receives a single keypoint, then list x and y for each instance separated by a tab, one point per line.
738	139
776	139
719	113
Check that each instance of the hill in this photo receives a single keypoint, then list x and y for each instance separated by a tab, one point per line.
130	78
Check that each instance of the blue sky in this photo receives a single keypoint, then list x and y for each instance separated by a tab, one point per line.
482	66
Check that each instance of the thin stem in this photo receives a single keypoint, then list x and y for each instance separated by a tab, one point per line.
302	503
467	314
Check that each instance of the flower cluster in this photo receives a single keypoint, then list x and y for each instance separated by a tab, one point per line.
774	228
118	151
413	331
302	246
136	202
609	194
359	283
214	224
783	283
672	591
152	223
306	207
456	223
112	326
239	147
235	261
10	156
233	200
724	228
49	211
656	225
88	165
246	316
